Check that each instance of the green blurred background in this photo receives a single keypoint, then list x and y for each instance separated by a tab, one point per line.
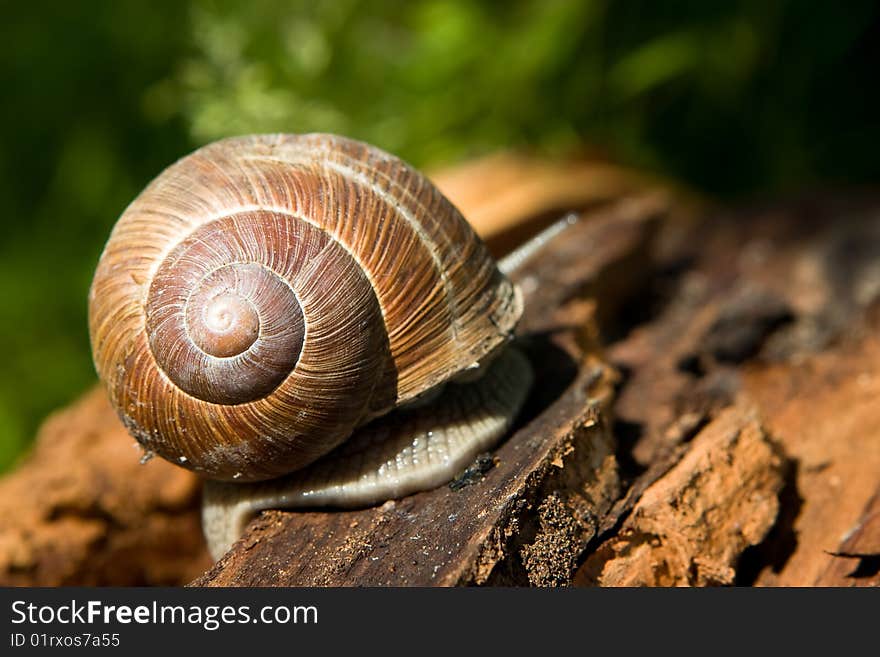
739	99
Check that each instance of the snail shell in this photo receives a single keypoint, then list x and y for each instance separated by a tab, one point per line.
267	295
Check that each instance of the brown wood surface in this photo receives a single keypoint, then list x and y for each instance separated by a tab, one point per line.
82	510
705	413
857	561
771	311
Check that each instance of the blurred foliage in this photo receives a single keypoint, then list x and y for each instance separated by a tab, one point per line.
736	98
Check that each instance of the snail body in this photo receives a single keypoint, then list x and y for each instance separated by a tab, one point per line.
266	297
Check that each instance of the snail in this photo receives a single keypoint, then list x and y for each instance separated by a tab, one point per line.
304	320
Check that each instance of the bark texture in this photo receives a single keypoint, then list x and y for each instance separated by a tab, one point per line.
82	510
705	412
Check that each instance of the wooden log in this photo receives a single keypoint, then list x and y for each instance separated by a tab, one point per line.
773	306
823	410
857	561
705	413
82	511
691	525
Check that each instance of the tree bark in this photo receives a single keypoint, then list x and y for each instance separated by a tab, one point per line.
704	413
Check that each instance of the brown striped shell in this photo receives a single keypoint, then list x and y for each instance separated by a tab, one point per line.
266	295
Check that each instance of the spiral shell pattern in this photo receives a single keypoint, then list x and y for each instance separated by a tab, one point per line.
267	295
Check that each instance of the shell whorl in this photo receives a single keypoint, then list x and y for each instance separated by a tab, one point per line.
266	295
